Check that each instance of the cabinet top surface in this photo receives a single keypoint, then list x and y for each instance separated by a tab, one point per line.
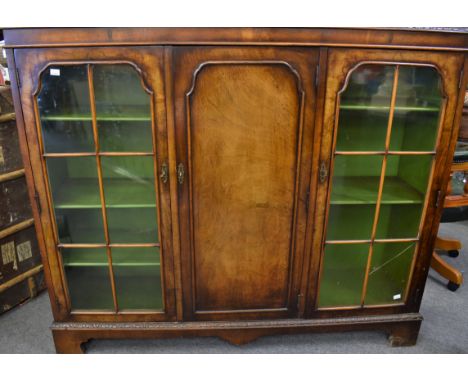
427	39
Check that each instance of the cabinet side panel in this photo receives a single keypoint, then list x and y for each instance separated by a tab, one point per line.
23	115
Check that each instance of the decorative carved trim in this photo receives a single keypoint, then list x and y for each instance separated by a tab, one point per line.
226	325
244	62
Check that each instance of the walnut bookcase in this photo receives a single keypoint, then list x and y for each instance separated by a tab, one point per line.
236	182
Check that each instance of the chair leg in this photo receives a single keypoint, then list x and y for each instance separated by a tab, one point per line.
447	244
448	272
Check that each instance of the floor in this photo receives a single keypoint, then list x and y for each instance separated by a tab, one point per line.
444	329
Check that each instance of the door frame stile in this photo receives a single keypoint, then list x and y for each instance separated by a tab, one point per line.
174	189
307	286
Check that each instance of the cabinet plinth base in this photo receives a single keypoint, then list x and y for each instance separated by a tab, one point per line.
69	337
405	334
68	342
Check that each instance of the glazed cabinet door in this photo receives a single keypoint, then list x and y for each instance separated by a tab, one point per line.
387	134
95	126
244	124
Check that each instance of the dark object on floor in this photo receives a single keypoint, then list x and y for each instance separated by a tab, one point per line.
447	271
453	286
456	214
453	253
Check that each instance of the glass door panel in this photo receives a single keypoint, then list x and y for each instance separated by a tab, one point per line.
130	199
389	272
65	111
98	147
75	194
364	108
342	222
403	194
88	278
381	170
398	221
417	109
123	109
354	189
343	272
137	274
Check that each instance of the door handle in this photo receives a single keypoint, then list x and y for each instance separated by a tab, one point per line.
164	173
180	173
323	172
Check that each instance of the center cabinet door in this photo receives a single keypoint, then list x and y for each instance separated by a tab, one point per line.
244	125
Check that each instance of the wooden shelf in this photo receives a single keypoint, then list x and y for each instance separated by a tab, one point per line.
144	118
84	257
363	190
84	193
79	118
387	108
96	236
80	263
137	288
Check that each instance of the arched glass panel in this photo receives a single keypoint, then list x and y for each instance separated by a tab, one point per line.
386	133
98	147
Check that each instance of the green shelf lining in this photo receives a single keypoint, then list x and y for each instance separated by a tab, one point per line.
136	287
145	118
386	108
86	257
91	264
96	236
363	190
134	118
84	193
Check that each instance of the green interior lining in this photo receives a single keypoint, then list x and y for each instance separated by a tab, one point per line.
137	274
136	287
81	193
112	117
364	189
387	108
133	256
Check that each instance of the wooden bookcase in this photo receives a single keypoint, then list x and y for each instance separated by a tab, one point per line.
236	182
